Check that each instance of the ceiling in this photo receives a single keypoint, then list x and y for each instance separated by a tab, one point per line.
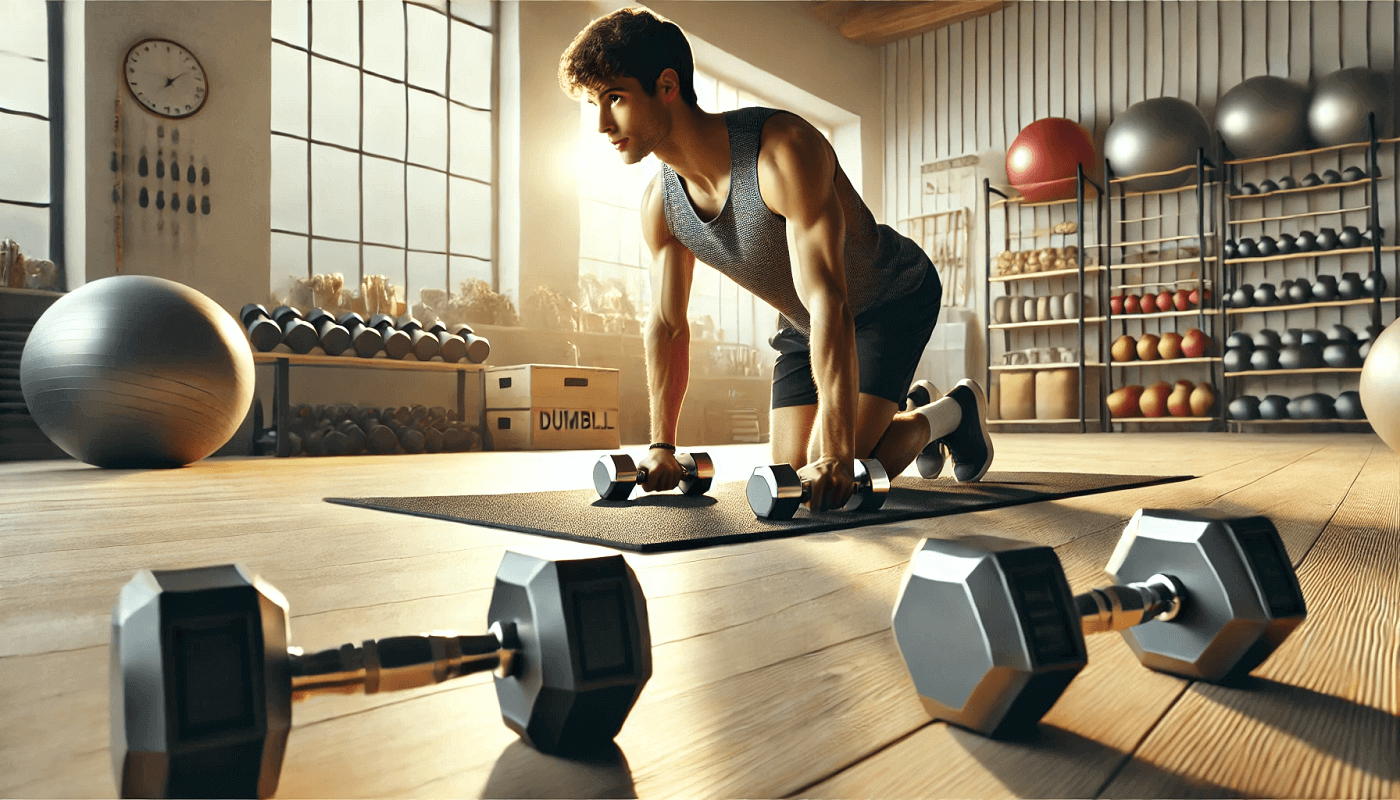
878	22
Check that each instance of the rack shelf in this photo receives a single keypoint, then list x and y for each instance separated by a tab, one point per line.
1061	365
1070	421
1168	263
1152	420
1313	371
1030	276
1361	301
1049	323
1313	152
1331	420
1303	189
1171	361
1311	254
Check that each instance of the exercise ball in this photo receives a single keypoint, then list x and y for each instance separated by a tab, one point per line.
1264	116
133	372
1341	102
1380	386
1041	162
1156	135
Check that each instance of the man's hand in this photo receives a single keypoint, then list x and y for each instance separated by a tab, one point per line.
830	482
663	472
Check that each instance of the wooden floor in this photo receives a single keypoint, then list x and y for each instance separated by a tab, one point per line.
776	673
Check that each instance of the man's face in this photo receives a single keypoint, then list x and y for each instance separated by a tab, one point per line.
634	122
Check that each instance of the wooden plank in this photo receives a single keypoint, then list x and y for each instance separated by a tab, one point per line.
1354	36
916	125
1105	89
1027	65
986	107
1319	718
971	101
996	75
902	167
1300	43
1279	43
1171	43
1231	54
945	104
1153	81
1088	69
1208	61
1121	45
882	23
1040	80
1073	79
890	63
1255	47
1381	24
1326	37
932	110
957	119
1011	82
1135	40
1055	32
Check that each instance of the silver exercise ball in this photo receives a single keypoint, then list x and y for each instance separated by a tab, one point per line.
1156	135
1380	386
1341	101
1264	116
135	372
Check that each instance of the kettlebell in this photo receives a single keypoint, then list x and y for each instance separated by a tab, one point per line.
1306	242
1374	285
1350	237
1353	174
1313	336
1315	405
1263	358
1249	188
1290	357
1348	405
1267	337
1274	406
1239	340
1244	248
1325	289
1291	338
1341	353
1300	291
1341	333
1287	244
1326	239
1229	248
1331	176
1309	356
1264	295
1266	246
1242	297
1311	180
1349	287
1266	186
1246	406
1364	350
1237	359
1369	332
1287	182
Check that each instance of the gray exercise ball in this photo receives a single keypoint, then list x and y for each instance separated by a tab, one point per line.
1380	386
1341	101
134	372
1264	116
1156	135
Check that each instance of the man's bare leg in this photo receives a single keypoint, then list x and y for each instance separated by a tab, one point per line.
790	432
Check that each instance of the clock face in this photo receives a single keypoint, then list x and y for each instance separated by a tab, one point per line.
165	78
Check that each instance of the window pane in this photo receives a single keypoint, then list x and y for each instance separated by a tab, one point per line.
384	201
335	206
26	27
427	215
335	103
471	65
288	184
474	11
472	143
427	49
289	21
335	29
288	262
465	269
24	159
29	227
385	261
329	257
384	117
471	218
288	90
384	38
25	86
427	129
425	271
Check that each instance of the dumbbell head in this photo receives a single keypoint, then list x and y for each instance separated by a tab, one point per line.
988	630
220	629
585	643
776	492
1243	597
252	311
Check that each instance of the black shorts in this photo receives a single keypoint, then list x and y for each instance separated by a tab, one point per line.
890	340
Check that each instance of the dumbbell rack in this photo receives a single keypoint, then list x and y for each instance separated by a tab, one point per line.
1234	268
1080	320
1205	263
282	383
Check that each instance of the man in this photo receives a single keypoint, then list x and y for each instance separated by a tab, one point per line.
758	195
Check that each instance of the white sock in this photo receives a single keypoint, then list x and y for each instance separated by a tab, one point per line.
943	415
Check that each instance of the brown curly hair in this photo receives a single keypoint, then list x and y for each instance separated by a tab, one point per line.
631	42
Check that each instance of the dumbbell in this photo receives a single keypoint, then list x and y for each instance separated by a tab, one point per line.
614	475
397	344
478	347
366	340
335	339
202	679
451	347
425	345
263	333
297	333
776	492
992	635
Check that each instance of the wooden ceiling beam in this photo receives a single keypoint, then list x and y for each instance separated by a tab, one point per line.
878	22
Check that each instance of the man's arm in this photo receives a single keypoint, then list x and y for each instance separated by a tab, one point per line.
797	170
667	334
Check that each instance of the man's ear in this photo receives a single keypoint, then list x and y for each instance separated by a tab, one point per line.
668	85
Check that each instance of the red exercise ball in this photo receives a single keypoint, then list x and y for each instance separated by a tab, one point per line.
1041	161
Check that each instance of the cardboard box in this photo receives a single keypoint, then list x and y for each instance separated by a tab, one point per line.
546	407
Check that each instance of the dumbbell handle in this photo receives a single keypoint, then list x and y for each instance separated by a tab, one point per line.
1118	607
402	662
862	480
689	471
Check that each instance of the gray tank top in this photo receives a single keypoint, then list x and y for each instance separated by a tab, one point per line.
748	242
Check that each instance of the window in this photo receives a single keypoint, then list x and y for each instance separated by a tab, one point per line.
612	252
31	102
382	142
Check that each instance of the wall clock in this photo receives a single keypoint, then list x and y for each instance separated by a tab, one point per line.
165	78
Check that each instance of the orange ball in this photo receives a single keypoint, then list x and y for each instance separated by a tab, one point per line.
1041	163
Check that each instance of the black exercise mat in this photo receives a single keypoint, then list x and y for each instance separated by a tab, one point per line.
670	521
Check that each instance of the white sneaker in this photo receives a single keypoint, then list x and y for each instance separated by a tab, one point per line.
931	459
